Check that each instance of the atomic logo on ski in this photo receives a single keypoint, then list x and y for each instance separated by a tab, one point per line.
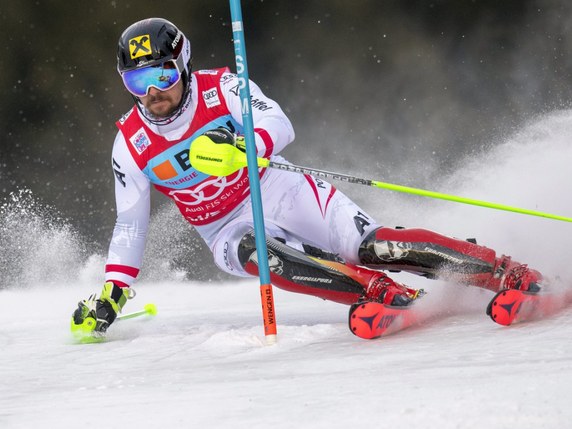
369	320
385	321
508	307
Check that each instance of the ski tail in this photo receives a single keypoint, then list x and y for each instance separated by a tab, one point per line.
510	306
369	320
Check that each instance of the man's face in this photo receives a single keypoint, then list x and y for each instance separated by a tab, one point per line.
162	104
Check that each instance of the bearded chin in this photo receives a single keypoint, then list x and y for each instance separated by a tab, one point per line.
163	112
168	116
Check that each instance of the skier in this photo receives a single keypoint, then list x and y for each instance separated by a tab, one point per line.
319	241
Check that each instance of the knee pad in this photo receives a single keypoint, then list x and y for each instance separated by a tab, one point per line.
246	248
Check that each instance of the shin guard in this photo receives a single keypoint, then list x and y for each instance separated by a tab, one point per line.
431	255
313	272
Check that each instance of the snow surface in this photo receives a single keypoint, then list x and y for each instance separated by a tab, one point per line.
202	361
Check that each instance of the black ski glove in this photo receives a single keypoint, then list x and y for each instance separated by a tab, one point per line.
222	135
93	316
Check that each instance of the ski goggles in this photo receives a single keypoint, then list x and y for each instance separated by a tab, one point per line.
162	76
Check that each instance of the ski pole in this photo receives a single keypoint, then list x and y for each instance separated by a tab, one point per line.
222	160
148	309
266	296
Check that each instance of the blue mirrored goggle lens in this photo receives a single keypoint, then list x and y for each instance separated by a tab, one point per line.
161	77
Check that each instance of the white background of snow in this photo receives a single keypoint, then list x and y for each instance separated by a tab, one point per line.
201	361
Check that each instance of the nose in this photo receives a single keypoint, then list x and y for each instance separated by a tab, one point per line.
152	91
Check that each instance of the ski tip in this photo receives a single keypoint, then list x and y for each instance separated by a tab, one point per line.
373	319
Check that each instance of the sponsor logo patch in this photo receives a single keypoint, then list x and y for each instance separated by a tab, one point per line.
391	250
227	77
140	46
211	97
125	117
176	40
140	141
165	171
275	264
259	104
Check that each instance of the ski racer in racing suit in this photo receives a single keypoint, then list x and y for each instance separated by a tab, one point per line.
319	241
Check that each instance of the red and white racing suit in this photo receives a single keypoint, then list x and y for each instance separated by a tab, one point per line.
296	207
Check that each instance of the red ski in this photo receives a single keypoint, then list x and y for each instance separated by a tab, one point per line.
512	306
370	320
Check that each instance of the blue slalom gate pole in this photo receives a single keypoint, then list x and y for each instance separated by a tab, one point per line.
266	296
